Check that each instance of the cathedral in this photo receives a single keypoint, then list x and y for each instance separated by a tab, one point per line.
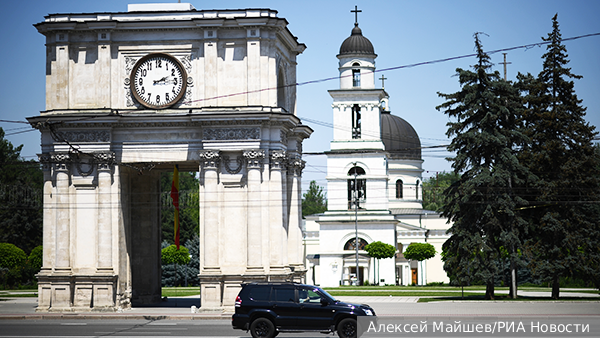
374	186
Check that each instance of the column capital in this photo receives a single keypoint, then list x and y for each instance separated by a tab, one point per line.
254	158
209	159
61	161
45	161
296	165
278	159
105	160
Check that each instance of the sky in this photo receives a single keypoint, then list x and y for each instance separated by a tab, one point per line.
403	33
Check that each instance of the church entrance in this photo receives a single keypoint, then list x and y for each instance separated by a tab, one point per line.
415	274
361	277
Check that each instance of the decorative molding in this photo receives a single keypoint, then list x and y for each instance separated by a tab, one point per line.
129	63
231	133
61	161
186	60
254	158
209	159
278	159
187	99
240	164
84	136
128	96
283	136
45	160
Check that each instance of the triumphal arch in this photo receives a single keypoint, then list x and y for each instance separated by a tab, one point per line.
131	94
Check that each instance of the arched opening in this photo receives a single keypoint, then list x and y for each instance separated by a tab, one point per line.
417	189
357	188
351	244
356	123
399	189
281	102
356	75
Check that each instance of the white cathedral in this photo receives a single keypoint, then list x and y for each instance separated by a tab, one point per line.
375	158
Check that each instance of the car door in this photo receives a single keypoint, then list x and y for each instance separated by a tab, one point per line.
283	304
314	312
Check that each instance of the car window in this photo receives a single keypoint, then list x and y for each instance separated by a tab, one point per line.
260	293
306	295
285	294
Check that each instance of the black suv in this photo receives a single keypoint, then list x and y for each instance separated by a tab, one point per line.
269	308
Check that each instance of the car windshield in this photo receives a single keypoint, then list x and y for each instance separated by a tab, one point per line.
326	295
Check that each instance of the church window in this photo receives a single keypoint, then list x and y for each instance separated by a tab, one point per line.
417	189
350	245
399	189
356	77
280	90
357	188
356	121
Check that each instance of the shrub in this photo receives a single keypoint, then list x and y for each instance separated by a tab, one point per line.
12	261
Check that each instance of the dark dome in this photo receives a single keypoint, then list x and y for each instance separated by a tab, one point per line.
399	138
356	43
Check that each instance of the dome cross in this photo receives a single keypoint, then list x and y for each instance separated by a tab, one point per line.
356	11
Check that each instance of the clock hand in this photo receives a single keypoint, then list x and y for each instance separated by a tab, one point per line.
161	80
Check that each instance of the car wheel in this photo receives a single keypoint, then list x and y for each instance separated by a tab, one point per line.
346	328
262	328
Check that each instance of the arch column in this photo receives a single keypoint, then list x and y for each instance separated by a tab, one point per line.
254	163
210	276
277	226
295	252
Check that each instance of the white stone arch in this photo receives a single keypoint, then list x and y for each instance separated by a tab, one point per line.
360	164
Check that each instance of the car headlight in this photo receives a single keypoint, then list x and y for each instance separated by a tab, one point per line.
368	312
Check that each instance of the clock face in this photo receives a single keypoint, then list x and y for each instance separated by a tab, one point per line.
159	80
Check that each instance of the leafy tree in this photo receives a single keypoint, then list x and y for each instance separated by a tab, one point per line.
12	261
313	201
380	250
563	239
486	137
189	211
35	258
20	198
178	274
170	255
419	251
433	190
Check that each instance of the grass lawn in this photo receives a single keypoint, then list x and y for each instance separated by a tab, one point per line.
181	291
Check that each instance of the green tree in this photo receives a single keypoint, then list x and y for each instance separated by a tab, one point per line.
20	198
313	201
12	262
481	204
433	190
380	250
419	251
170	255
189	210
563	238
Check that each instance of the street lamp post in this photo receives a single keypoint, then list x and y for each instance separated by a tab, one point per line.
356	223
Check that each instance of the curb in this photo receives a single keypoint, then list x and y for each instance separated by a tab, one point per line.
85	316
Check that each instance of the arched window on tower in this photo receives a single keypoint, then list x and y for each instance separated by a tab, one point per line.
417	190
356	121
399	189
356	75
281	90
357	188
350	244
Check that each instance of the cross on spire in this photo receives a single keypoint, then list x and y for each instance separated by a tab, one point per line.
356	11
382	78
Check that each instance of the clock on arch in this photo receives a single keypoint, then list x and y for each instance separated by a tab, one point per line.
158	80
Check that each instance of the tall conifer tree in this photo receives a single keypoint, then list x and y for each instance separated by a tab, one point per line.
562	239
482	203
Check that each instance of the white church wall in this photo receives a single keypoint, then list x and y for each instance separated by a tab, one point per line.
366	67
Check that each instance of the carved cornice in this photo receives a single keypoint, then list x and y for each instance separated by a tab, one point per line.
83	136
231	133
209	159
60	161
254	158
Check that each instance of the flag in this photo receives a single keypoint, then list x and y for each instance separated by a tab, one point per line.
175	197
